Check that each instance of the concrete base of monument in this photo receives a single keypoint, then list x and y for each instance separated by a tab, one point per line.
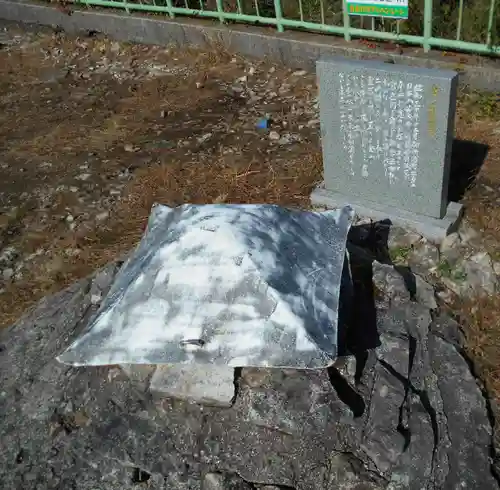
434	229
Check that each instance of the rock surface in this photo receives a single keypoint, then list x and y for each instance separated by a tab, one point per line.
474	274
460	266
406	415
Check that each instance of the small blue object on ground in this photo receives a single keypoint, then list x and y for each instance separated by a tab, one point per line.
263	123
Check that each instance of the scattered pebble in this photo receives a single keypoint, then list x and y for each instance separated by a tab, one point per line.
204	138
274	136
285	139
451	241
85	176
102	216
131	148
467	233
115	47
95	299
8	255
496	268
8	273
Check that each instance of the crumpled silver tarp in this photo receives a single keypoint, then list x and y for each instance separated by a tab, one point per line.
237	285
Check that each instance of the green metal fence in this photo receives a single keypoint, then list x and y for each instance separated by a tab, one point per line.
458	25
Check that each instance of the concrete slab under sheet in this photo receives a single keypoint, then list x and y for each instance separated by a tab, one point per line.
207	385
433	229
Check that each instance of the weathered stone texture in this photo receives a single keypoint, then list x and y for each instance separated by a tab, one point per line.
387	132
407	415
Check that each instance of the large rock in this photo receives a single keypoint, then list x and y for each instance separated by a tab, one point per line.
406	415
474	275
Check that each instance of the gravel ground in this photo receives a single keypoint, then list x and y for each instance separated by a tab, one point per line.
93	132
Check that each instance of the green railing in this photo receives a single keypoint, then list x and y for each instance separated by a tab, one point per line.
458	25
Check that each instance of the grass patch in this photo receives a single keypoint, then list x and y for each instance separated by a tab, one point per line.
459	275
474	105
400	254
444	268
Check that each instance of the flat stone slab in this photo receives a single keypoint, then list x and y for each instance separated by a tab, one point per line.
209	385
434	229
406	415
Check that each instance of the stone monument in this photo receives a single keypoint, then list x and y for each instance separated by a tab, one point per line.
387	134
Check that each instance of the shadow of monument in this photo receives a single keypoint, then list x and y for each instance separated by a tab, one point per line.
358	330
358	321
467	158
357	326
368	242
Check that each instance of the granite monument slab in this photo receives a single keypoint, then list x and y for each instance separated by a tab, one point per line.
387	133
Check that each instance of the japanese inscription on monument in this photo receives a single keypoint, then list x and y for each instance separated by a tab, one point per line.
383	122
387	132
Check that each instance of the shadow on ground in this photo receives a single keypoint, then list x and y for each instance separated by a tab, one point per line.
357	314
467	158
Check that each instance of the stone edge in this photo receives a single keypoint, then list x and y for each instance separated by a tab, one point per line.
291	48
431	228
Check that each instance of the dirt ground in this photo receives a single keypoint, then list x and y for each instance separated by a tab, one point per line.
93	132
